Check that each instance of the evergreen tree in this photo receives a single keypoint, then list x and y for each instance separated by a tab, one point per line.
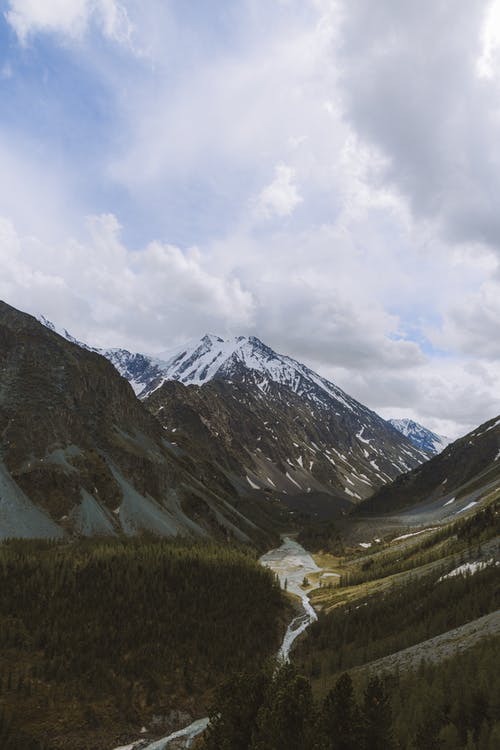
377	719
233	718
340	721
286	720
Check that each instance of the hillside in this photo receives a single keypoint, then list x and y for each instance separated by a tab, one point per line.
272	424
462	472
111	635
80	453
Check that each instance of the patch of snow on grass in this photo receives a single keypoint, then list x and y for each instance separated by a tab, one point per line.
352	494
414	533
292	480
468	569
467	507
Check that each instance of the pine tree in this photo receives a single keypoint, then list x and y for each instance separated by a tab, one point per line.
340	721
233	717
285	721
377	719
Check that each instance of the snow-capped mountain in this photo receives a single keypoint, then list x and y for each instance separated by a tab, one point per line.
284	426
420	436
214	357
270	421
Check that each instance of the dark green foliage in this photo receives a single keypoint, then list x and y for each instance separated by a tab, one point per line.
325	537
453	539
453	705
135	623
403	616
339	724
234	717
11	738
285	720
377	719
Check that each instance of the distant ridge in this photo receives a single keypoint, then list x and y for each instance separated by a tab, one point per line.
420	436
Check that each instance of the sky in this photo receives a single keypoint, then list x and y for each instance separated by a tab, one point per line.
323	174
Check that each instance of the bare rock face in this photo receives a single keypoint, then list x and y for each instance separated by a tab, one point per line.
79	452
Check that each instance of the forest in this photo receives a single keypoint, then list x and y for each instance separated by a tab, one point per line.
407	613
455	539
454	705
99	637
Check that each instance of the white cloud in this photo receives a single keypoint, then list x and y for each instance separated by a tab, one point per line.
487	63
70	18
390	151
281	196
110	295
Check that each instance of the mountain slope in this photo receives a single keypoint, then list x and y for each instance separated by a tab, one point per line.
273	424
276	425
420	436
464	470
79	452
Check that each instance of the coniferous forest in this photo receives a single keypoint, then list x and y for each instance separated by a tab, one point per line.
96	638
405	615
454	705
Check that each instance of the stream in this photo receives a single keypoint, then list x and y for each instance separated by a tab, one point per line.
291	563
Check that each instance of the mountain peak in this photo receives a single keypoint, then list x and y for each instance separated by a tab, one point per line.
420	436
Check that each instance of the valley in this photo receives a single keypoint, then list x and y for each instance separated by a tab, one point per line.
249	375
243	528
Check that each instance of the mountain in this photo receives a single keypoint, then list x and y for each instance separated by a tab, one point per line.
451	482
420	436
80	453
268	422
275	424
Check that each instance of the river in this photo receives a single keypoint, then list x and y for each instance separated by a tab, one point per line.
291	563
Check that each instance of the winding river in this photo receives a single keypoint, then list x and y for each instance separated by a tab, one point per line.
291	563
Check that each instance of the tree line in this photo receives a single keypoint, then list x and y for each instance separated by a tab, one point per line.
404	615
454	705
101	635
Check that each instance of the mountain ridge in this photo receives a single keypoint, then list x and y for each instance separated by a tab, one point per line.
421	436
79	453
464	470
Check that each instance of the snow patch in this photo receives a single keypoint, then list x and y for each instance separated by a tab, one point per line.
414	533
468	569
467	507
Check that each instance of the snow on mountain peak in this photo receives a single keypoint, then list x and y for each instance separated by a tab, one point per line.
420	436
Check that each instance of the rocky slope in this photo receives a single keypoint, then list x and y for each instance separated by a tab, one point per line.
271	424
79	452
420	436
463	471
276	426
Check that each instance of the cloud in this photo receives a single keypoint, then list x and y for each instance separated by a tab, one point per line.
110	295
281	196
487	63
321	174
409	86
471	325
69	18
